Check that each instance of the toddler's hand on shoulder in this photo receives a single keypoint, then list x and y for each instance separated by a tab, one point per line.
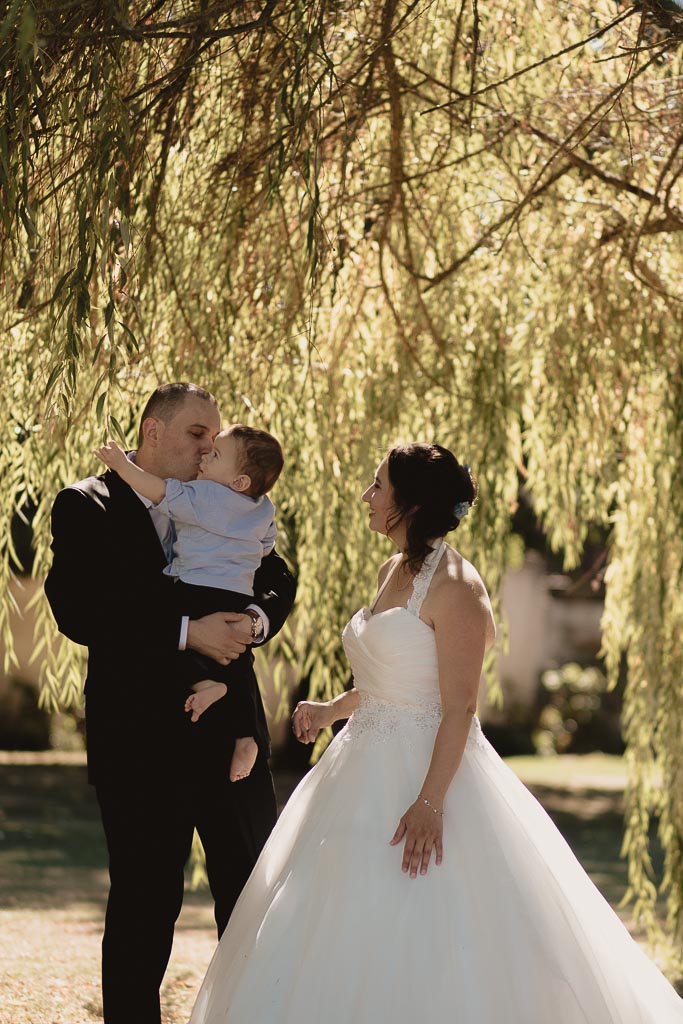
111	454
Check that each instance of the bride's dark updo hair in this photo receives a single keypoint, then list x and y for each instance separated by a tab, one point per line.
429	484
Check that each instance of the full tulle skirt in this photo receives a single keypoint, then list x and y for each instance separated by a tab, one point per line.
507	930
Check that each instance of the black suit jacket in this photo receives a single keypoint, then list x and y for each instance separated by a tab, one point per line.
107	591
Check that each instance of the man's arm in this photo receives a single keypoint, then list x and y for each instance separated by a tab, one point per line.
100	601
274	592
93	590
224	636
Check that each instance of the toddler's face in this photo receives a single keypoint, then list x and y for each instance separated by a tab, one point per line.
222	464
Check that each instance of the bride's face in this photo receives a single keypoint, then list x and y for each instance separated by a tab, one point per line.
380	499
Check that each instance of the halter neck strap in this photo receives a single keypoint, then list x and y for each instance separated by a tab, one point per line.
424	578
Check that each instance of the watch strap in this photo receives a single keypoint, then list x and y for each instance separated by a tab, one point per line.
256	623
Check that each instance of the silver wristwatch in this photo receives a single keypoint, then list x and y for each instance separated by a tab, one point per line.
256	623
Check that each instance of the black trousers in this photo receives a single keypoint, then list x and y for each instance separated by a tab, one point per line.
149	827
196	602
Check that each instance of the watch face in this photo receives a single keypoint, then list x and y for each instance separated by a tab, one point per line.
256	625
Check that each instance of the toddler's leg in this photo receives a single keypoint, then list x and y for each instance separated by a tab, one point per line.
243	758
206	693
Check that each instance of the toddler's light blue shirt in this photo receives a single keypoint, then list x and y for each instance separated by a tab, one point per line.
221	535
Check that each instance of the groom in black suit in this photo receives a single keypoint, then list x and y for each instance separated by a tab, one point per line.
157	775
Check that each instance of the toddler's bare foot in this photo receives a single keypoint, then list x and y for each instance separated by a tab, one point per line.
204	698
243	758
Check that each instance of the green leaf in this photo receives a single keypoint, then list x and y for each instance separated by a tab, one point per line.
116	429
99	407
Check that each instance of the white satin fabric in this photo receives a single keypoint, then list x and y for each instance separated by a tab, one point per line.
508	930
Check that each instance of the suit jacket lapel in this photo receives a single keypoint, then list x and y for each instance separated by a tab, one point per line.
135	513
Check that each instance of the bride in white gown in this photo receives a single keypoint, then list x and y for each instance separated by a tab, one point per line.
411	874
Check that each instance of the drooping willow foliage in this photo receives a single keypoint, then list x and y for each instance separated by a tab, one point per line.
358	222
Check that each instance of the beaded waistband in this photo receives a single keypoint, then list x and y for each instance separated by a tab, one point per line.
386	718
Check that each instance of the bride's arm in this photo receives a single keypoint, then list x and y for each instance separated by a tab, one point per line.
461	616
311	716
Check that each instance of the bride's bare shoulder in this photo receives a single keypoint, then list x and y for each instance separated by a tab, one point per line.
458	588
456	569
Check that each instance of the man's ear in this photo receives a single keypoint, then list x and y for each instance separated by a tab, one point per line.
241	483
152	430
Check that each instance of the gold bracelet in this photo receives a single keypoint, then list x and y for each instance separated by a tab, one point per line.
430	806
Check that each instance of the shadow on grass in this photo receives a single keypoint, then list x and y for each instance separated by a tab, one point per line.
592	822
52	849
50	828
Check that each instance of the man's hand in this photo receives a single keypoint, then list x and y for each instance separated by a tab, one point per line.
222	636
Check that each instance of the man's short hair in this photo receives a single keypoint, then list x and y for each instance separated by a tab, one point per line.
260	457
165	402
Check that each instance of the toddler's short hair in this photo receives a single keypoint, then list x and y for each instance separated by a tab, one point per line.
261	457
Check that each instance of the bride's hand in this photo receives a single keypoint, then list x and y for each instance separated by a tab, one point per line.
309	718
423	832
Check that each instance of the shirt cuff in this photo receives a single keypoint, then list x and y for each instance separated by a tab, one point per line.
184	626
266	625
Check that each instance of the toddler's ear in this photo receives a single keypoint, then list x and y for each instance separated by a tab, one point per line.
241	483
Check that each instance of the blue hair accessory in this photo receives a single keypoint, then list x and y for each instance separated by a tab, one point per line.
461	509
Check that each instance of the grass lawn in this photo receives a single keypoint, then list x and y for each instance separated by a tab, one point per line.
53	879
578	771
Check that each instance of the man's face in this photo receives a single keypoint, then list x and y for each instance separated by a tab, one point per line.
176	448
